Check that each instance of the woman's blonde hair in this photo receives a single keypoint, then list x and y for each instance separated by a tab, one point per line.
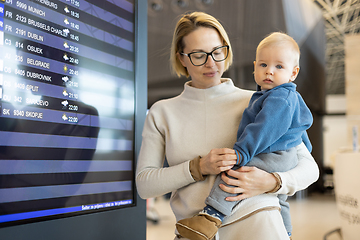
188	23
280	39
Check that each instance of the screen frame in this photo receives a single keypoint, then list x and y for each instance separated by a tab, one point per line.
138	208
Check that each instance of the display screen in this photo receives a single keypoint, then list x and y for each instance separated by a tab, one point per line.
67	98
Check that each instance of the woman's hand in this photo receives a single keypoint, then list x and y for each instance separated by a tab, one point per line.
217	161
247	182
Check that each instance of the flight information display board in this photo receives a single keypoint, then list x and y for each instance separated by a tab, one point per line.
67	108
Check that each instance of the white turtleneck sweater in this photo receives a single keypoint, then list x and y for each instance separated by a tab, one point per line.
189	125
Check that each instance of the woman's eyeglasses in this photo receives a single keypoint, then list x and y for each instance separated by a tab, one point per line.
199	58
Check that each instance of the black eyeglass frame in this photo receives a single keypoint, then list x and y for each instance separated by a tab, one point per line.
208	54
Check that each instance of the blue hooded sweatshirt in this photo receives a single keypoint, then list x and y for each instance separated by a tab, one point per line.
275	120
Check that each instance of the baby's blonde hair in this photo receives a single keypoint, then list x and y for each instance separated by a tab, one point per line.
281	39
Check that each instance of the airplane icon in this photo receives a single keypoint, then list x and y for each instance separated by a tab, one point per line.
64	117
66	31
65	78
65	103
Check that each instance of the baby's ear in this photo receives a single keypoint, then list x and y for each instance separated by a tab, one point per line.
294	73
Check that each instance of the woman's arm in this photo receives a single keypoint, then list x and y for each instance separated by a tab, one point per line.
302	176
152	179
251	181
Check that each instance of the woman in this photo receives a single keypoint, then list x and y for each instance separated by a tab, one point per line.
196	131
